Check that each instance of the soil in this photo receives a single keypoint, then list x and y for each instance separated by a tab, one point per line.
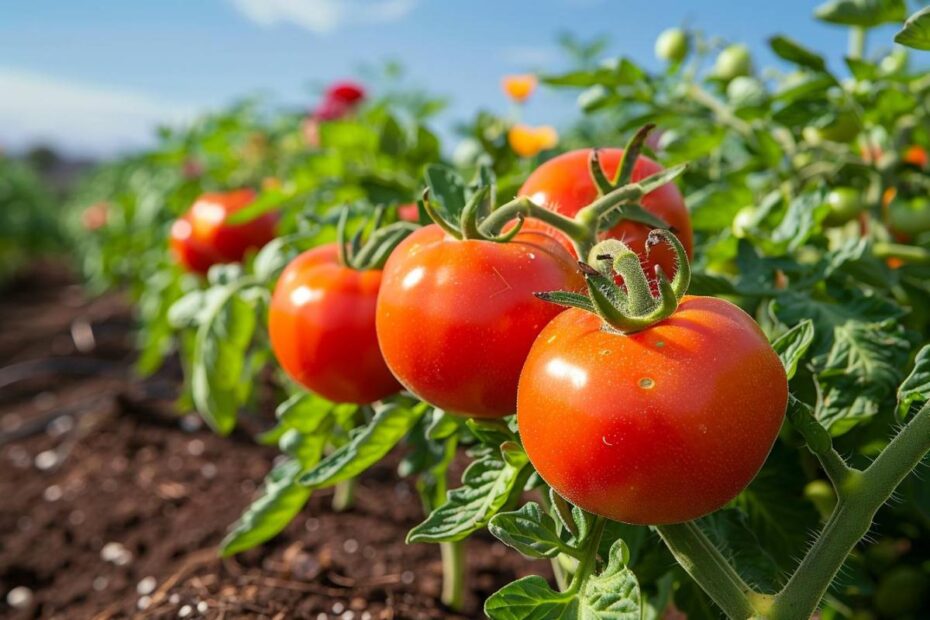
113	502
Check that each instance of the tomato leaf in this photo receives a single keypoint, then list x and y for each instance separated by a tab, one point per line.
220	347
530	531
862	13
916	31
732	534
794	52
304	411
612	595
390	424
489	485
792	346
915	389
446	191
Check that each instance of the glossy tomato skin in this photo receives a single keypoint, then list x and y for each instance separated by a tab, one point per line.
202	237
660	426
563	184
322	327
456	318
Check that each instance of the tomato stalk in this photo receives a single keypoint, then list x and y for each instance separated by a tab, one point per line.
588	561
344	495
375	250
907	253
453	574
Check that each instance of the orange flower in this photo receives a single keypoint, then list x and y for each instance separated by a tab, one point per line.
519	87
916	156
527	141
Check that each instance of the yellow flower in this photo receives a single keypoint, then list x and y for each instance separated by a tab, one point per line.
527	141
519	87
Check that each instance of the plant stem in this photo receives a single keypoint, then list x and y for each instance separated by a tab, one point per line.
527	208
589	559
707	566
856	42
453	574
860	497
721	111
344	496
908	253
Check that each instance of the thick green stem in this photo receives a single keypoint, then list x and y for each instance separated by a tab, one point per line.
344	496
707	566
453	574
581	235
589	560
723	113
860	497
907	253
856	42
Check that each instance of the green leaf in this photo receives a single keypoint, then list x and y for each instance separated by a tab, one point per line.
390	424
185	312
304	411
392	140
862	13
282	499
794	52
530	531
446	190
733	536
915	389
916	31
488	486
792	346
714	205
612	595
219	356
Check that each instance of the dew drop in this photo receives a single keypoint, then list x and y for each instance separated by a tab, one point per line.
647	383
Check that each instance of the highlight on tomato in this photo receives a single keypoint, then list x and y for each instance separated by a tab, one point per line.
654	411
456	313
322	317
203	237
565	184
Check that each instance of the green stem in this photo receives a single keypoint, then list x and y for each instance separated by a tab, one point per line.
580	235
561	579
344	496
589	560
857	42
721	111
907	253
860	497
453	574
707	566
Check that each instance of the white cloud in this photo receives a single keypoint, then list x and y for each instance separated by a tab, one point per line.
323	16
79	118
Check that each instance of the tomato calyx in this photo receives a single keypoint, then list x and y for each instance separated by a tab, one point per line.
468	225
634	306
374	251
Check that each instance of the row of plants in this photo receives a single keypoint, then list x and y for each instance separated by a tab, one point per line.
760	246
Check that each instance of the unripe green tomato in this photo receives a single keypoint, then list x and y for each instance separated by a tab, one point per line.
733	62
910	217
821	494
744	222
845	204
901	591
744	91
894	62
672	45
844	128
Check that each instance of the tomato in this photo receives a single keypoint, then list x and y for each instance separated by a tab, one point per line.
672	45
845	205
202	238
95	216
408	212
844	127
456	318
902	591
733	61
909	217
563	184
916	156
659	426
322	326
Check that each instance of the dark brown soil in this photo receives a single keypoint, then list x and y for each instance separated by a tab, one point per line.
111	503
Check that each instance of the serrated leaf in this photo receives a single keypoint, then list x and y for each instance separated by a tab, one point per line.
529	530
732	535
390	424
488	486
794	52
612	595
915	389
446	190
916	31
282	499
792	346
862	13
219	354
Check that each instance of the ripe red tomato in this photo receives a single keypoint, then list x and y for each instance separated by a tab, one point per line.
322	327
409	212
201	237
659	426
563	184
456	318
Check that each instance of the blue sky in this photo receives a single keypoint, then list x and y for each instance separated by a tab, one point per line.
94	76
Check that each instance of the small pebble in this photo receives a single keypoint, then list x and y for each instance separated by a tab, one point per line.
191	423
19	598
116	553
100	584
348	615
338	608
195	447
312	524
202	607
146	585
407	577
350	545
369	552
208	471
60	426
52	493
76	517
174	599
19	457
46	459
366	615
185	611
144	602
321	616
